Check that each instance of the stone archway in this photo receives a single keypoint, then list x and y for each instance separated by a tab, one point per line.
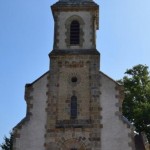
73	144
67	26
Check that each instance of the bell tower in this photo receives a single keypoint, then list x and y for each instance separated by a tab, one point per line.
73	112
76	23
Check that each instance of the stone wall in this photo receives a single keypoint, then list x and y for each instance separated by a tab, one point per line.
115	134
85	129
99	125
29	133
87	28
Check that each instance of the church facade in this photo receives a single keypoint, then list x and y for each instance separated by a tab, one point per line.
74	106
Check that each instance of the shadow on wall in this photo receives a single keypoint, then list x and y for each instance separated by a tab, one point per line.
139	142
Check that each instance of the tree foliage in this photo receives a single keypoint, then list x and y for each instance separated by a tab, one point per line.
8	143
136	105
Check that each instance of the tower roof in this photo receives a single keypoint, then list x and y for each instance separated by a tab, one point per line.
76	2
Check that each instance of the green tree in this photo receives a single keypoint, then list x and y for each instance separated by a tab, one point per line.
136	105
8	143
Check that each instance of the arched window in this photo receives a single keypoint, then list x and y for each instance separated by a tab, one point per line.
73	111
74	33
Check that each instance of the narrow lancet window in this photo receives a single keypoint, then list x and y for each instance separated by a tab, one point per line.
73	110
74	33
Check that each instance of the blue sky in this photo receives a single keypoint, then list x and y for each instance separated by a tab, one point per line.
26	38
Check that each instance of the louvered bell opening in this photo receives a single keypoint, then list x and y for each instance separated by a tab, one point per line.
74	33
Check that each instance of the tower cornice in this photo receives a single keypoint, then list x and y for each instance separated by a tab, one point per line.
74	52
78	5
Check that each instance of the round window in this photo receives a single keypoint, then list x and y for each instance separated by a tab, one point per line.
74	79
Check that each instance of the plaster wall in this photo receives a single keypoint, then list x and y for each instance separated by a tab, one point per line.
87	30
114	134
33	131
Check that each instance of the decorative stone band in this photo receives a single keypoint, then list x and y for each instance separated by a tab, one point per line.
73	123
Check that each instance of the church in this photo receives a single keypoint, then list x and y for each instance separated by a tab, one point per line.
74	106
